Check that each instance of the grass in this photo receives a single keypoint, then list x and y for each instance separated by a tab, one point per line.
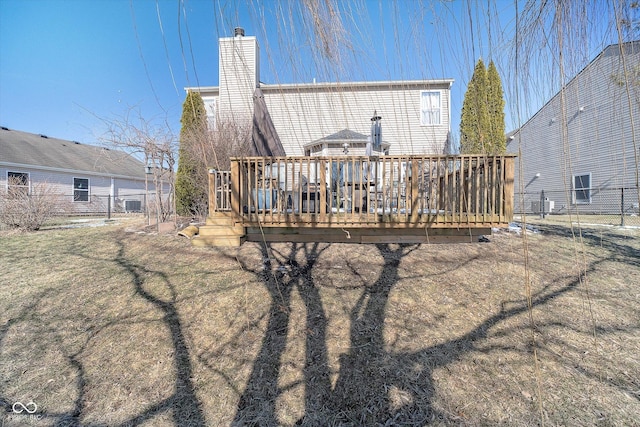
586	220
107	326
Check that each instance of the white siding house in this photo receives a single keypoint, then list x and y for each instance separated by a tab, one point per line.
85	176
581	148
416	115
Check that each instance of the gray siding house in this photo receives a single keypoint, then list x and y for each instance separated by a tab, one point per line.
582	147
416	115
85	176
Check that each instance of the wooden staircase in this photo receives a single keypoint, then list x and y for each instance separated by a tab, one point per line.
220	230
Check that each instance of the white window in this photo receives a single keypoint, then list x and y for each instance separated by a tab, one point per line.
582	189
80	189
430	108
17	183
210	108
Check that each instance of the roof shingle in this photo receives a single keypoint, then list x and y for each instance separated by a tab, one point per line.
41	151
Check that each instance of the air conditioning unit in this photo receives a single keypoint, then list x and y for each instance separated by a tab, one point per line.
132	206
549	206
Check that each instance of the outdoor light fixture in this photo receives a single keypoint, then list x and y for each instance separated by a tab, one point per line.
147	170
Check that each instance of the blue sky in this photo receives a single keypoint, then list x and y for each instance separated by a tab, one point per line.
66	65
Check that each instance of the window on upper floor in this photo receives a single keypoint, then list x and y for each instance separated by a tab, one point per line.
582	189
210	108
430	108
80	189
17	183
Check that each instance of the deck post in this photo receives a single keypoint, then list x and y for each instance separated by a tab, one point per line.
509	170
415	194
212	191
323	190
235	188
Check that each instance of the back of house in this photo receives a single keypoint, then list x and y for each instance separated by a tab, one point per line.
415	114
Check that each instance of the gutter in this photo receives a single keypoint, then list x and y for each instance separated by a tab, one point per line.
69	171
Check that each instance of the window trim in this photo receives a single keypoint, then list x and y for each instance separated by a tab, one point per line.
88	190
582	201
28	186
439	92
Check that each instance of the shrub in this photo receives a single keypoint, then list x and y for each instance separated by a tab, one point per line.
29	210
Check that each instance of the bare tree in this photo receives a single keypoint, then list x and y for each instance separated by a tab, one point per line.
157	145
228	139
213	148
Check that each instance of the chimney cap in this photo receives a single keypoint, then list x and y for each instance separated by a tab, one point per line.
238	31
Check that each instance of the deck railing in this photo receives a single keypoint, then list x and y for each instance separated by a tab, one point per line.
403	191
219	191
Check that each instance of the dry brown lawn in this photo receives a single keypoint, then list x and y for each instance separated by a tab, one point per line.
112	327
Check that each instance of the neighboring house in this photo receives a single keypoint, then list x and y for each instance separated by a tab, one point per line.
581	148
86	176
416	115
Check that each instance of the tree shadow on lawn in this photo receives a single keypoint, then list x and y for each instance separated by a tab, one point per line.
369	373
183	404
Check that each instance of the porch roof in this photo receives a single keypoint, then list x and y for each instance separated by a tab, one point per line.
341	137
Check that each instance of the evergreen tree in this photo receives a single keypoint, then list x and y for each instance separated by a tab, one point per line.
495	103
482	128
191	195
474	120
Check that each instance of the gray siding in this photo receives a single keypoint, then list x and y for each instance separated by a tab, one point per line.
587	129
100	187
307	114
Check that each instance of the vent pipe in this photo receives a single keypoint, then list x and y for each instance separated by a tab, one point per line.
376	131
238	32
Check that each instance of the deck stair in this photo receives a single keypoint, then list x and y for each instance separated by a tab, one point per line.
221	229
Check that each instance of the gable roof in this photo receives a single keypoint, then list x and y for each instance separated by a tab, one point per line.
342	136
23	149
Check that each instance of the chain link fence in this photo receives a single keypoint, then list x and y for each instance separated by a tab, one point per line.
142	203
107	205
29	210
606	206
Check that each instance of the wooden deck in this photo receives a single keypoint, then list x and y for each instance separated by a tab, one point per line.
412	199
